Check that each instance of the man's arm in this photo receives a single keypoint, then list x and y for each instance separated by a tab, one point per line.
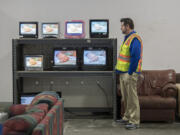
135	52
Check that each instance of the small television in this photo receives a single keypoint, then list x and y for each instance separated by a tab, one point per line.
26	98
65	58
50	30
99	28
94	58
33	62
28	29
74	29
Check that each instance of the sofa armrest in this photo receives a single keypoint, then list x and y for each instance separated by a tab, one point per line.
170	90
17	109
52	123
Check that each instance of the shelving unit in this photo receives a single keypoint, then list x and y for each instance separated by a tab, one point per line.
82	90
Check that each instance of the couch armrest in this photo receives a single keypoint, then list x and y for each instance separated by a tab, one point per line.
170	90
52	123
17	109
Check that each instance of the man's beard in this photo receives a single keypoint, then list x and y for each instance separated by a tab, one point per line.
124	32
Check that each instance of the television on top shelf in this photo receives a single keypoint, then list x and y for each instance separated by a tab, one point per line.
94	59
28	29
65	59
99	28
50	30
74	29
33	62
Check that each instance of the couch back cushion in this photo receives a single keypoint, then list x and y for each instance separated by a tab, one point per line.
151	82
48	97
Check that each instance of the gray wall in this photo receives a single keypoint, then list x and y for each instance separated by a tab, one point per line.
157	21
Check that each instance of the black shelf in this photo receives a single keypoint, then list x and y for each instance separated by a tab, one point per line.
82	89
62	73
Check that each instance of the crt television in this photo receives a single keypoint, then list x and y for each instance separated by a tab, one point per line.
74	29
99	28
26	98
33	62
50	30
94	58
65	58
28	29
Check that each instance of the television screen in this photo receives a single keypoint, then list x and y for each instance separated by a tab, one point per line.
99	26
94	57
65	57
50	28
26	99
34	61
28	29
74	28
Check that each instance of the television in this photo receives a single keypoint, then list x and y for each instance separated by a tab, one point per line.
33	62
26	99
65	58
50	30
99	28
74	29
28	29
94	58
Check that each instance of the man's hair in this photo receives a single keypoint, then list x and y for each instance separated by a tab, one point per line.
128	21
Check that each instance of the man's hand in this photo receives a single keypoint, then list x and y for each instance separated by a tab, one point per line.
127	76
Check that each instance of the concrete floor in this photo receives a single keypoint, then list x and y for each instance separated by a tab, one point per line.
109	127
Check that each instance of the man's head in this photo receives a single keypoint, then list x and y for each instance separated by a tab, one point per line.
127	25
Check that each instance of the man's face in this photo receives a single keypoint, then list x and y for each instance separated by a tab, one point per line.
123	28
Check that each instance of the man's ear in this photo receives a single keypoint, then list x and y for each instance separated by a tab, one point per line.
127	26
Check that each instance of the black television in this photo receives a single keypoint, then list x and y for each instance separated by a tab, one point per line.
99	28
65	59
26	98
33	62
50	30
28	29
94	59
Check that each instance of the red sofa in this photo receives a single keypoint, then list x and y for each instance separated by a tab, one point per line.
44	116
157	94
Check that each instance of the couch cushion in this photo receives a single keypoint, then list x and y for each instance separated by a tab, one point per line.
21	123
48	97
17	109
161	78
157	102
37	108
155	80
7	131
26	122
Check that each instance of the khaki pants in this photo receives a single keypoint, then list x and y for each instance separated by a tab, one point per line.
128	85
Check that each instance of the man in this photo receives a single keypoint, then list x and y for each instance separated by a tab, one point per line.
129	66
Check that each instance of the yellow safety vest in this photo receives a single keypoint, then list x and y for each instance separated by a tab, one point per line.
123	60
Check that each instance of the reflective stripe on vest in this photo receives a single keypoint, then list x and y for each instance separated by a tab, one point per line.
123	58
123	61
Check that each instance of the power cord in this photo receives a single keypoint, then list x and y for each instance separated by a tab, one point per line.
103	90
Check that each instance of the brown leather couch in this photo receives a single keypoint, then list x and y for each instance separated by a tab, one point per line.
157	95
